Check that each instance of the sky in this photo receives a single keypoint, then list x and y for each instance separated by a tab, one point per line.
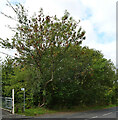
98	19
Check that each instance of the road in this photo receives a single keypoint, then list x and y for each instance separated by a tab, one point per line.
93	114
105	114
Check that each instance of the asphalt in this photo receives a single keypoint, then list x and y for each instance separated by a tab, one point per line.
92	114
105	114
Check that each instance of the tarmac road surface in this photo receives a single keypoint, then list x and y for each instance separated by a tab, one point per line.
105	114
92	114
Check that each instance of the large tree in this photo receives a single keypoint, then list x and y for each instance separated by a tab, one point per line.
53	65
39	35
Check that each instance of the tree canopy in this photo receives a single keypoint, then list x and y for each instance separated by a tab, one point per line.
52	65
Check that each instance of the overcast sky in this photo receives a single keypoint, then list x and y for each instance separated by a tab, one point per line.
98	19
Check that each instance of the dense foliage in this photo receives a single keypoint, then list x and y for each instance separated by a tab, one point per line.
81	78
52	65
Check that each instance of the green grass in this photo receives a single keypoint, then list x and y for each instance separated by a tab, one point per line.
36	111
86	108
39	111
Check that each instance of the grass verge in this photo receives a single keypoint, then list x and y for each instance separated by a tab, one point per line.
86	108
39	111
35	111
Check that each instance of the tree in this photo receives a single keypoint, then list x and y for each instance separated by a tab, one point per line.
83	76
39	35
53	65
7	72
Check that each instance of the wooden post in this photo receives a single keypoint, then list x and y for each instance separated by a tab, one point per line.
12	101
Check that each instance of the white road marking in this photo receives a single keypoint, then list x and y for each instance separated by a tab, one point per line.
107	114
95	117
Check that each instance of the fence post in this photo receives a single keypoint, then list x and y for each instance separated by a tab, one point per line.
12	101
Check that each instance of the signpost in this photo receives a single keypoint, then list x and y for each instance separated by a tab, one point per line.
12	101
23	89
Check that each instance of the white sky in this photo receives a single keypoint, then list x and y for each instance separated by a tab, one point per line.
98	19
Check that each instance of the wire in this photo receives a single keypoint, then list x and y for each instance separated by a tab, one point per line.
7	54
